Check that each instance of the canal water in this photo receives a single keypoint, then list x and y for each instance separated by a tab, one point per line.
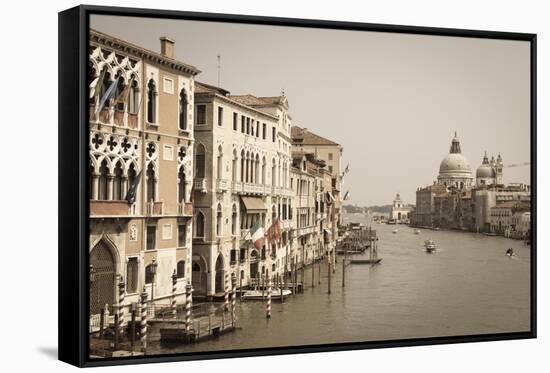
466	287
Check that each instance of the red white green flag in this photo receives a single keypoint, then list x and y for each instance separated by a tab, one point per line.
257	233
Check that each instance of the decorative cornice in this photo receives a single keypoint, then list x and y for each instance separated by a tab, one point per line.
137	51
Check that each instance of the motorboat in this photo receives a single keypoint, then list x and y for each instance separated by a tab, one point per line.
510	253
417	231
429	245
394	231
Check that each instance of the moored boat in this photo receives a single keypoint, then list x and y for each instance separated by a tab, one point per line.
261	295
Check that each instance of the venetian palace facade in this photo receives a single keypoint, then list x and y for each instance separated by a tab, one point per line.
183	175
143	131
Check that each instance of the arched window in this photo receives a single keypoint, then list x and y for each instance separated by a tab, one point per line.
274	173
183	110
257	169
181	185
151	102
220	163
91	181
219	220
151	183
133	97
118	183
119	96
234	165
234	221
263	171
180	271
242	165
273	214
131	179
200	162
199	230
247	168
103	172
148	274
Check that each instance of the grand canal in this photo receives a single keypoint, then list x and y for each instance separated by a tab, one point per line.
467	287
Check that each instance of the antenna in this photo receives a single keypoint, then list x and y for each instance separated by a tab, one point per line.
219	67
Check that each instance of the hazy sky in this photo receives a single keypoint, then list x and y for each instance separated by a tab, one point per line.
393	101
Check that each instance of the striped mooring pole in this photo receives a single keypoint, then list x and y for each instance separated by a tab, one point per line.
226	294
268	305
233	298
174	289
143	320
121	291
188	303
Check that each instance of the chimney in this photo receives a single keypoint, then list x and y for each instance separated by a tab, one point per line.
167	47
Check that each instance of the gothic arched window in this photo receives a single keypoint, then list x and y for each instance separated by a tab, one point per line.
118	183
183	110
219	220
234	221
180	271
151	102
181	185
151	182
199	225
103	172
200	162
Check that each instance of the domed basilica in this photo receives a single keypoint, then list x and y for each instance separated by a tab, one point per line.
455	171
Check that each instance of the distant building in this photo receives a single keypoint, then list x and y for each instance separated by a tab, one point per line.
455	202
400	211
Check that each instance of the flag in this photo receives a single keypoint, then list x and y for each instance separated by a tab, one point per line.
257	232
346	196
132	192
107	95
123	96
274	232
99	84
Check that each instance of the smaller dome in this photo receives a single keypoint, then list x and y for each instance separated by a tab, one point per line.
485	171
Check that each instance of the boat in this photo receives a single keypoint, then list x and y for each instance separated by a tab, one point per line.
391	221
491	234
262	295
510	253
365	261
429	245
417	231
394	231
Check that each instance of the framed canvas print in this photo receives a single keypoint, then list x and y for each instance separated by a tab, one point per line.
235	186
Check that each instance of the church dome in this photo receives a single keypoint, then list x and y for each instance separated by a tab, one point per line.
455	163
485	171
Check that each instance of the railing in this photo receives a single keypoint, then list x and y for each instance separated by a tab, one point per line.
154	208
305	230
200	185
221	185
185	209
249	188
109	208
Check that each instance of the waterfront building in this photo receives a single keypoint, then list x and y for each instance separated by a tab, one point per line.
329	151
242	168
521	225
307	180
485	197
141	171
501	216
399	211
425	206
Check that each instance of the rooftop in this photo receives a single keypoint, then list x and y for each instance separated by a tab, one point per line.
304	136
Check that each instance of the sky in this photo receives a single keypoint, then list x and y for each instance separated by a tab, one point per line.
393	101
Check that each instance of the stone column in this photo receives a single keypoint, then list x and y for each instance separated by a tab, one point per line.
94	193
110	186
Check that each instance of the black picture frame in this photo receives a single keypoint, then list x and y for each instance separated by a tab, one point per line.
73	182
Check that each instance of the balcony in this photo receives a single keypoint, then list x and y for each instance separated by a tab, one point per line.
305	230
185	209
286	224
221	185
155	208
321	216
249	188
109	208
200	185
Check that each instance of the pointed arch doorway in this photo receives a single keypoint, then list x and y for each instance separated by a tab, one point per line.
104	284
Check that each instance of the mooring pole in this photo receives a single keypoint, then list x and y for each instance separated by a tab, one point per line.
329	273
174	289
268	304
143	321
101	321
313	274
133	328
344	265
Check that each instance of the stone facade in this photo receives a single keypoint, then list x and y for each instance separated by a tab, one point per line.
141	135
